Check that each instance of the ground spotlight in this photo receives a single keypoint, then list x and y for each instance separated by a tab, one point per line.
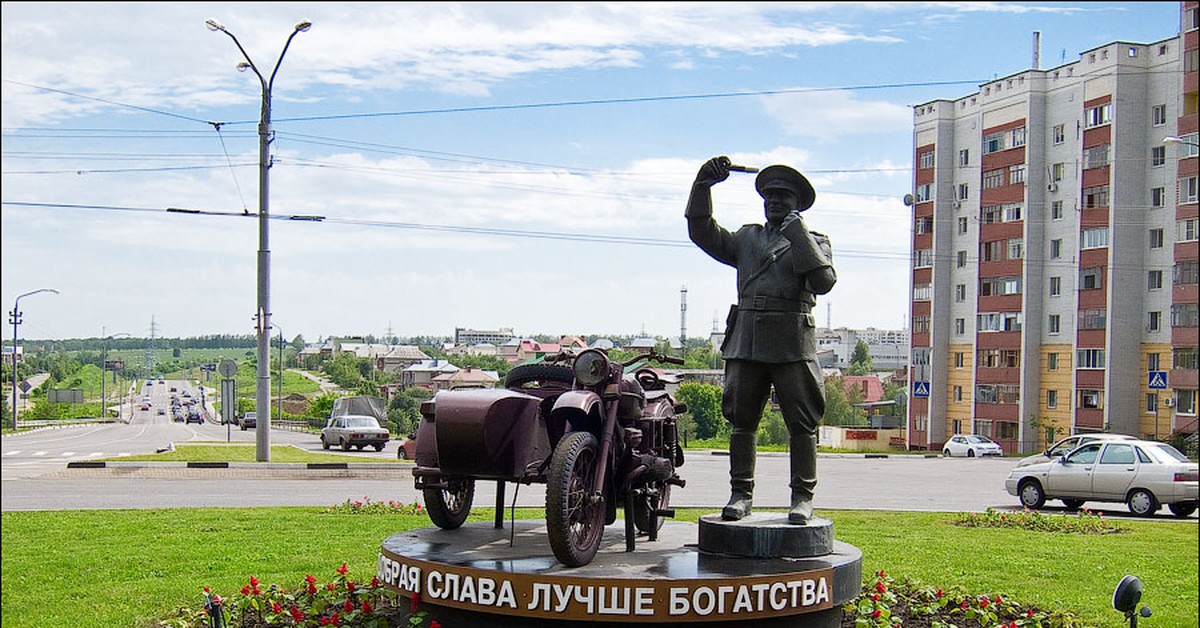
1126	597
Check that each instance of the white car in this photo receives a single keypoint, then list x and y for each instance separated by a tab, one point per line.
1065	445
1143	474
971	446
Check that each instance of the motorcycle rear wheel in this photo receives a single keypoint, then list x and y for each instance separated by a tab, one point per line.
574	521
448	508
654	497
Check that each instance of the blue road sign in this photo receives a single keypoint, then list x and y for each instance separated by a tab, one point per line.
920	389
1157	380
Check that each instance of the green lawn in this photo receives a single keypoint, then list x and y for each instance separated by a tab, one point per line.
132	567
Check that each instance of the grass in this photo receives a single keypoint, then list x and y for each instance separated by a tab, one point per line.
244	453
134	567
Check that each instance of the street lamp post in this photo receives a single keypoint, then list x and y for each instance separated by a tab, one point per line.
104	374
280	384
15	317
262	398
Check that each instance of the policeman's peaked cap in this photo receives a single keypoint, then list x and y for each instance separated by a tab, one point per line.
780	176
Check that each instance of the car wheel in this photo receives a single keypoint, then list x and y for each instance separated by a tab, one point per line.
324	443
1072	504
1182	509
345	445
400	454
970	453
1032	495
1142	503
379	448
946	453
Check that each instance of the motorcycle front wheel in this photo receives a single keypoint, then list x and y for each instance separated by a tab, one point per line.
574	519
448	508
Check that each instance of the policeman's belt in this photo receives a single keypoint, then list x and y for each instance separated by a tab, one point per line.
773	304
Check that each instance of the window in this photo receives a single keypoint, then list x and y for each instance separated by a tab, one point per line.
960	293
1095	197
993	143
1055	286
922	292
1089	398
1154	280
1018	136
1184	358
958	393
922	258
1117	453
925	159
1016	174
1158	155
992	251
960	259
962	224
1187	148
1186	273
1097	116
998	358
964	157
1185	315
1156	238
1051	398
1092	318
1187	230
1056	248
1053	324
1185	401
1158	197
1012	212
1090	279
1052	361
1152	362
923	224
924	192
920	324
1056	210
1093	238
1158	115
1153	322
1016	248
960	326
1060	134
993	178
999	321
964	191
958	360
1187	190
1191	18
1095	157
1057	171
997	286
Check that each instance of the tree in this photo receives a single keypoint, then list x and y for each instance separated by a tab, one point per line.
839	409
404	411
860	361
704	406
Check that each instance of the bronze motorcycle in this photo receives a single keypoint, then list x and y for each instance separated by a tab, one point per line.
597	432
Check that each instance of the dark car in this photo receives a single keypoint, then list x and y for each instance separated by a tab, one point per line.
194	416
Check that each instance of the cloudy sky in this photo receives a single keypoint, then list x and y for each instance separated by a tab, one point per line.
490	165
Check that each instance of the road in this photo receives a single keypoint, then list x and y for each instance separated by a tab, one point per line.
35	475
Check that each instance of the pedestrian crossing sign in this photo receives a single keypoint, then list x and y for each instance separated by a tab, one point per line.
1157	380
920	389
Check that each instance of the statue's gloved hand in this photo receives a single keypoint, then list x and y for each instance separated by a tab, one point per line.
793	216
713	171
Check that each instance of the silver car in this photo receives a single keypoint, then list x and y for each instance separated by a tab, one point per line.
971	445
354	430
1064	446
1143	474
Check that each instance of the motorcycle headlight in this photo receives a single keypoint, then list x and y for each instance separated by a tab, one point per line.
591	367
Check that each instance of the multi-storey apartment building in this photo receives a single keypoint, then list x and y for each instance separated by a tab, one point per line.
1055	250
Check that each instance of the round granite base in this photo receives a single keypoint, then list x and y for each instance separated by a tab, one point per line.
479	575
767	535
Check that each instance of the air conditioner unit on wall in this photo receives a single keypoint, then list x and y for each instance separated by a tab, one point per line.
1169	402
1052	187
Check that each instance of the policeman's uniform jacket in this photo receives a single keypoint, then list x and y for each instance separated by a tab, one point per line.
779	274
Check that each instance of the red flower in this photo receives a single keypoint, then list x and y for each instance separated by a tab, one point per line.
999	600
964	605
311	589
276	608
375	583
336	621
342	570
297	616
309	578
414	603
1029	613
983	602
880	587
874	597
366	607
324	621
348	606
328	586
206	589
350	586
940	593
256	591
253	581
246	590
876	613
435	624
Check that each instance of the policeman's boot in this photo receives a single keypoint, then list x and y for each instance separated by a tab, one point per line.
741	475
803	452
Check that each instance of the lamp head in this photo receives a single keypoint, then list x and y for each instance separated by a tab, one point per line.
243	66
303	26
1127	594
214	25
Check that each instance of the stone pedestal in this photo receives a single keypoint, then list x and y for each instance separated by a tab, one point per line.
479	575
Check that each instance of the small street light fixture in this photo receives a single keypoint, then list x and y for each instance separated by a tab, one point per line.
104	374
15	319
262	397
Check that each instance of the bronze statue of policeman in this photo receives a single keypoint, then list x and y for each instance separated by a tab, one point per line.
770	335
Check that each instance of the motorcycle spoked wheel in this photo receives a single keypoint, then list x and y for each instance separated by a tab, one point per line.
574	523
448	508
653	497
